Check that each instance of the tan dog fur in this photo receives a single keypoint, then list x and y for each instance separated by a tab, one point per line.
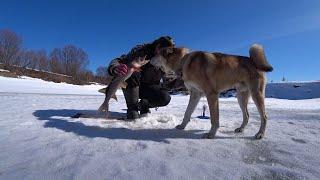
211	73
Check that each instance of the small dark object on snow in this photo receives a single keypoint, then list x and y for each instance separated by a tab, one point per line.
78	115
203	117
204	107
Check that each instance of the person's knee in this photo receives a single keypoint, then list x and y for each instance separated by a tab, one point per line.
165	99
156	96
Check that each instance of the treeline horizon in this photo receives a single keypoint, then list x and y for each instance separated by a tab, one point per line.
68	60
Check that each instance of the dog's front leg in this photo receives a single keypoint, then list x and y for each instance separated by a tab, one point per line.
193	102
213	101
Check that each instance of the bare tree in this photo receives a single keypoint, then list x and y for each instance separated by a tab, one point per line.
87	76
68	60
102	71
33	59
25	58
76	60
55	62
10	44
43	60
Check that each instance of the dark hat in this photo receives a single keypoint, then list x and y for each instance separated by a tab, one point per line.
164	41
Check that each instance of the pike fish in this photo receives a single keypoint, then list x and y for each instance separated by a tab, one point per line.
119	81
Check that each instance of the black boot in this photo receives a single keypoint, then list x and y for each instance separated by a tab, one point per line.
144	107
132	97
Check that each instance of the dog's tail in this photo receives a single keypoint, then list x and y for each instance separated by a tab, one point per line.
259	59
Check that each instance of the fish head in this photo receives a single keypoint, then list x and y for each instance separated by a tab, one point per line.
139	62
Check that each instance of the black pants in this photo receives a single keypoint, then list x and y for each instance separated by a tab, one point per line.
151	96
155	94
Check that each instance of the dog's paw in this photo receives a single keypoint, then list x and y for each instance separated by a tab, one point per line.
239	130
208	136
259	135
180	127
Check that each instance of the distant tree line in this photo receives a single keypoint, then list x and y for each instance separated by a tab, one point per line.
68	60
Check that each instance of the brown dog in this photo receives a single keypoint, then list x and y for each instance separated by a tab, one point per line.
210	73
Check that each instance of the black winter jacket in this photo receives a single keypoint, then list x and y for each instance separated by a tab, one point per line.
149	75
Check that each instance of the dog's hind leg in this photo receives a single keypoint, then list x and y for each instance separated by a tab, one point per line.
213	101
243	98
258	98
195	96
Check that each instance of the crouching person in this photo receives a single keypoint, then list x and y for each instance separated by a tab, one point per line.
144	85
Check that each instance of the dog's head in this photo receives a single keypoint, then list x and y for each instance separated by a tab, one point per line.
168	59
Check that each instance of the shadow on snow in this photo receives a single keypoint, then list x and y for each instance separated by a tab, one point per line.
160	135
53	120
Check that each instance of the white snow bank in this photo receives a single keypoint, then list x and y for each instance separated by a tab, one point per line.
3	70
294	90
33	85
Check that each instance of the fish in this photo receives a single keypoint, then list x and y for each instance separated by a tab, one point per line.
104	90
119	81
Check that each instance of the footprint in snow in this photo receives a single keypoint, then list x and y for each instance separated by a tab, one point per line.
299	140
291	123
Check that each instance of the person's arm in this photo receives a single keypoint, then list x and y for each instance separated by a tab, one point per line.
113	64
117	66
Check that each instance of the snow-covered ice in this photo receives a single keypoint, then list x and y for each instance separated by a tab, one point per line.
39	140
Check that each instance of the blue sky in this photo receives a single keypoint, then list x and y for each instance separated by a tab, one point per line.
288	29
